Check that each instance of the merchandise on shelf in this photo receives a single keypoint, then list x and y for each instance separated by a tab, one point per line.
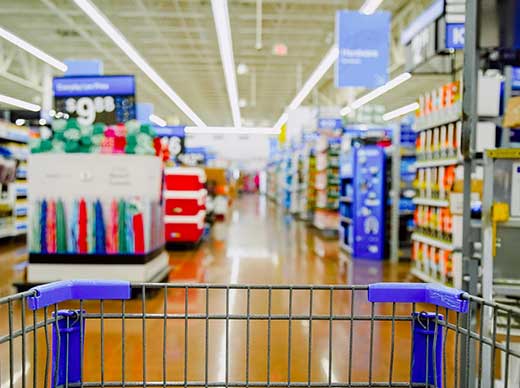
13	174
95	226
437	231
71	137
185	204
327	182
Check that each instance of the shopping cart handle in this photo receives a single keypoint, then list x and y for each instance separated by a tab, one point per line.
432	293
56	292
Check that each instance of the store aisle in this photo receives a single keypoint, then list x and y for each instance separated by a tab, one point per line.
260	244
208	334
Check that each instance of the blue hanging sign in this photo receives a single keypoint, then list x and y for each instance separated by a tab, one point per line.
364	46
454	36
107	85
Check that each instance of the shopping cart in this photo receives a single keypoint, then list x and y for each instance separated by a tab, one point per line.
92	334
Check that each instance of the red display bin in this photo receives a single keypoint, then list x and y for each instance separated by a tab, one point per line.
184	203
184	228
184	178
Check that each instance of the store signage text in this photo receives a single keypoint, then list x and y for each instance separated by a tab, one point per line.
107	99
455	36
364	44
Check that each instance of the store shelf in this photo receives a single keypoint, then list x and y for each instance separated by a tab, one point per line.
12	134
431	202
441	117
437	163
424	276
432	241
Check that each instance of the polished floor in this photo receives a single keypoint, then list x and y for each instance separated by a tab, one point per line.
256	336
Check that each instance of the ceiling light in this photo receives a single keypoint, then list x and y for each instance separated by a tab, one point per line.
242	103
19	122
117	37
370	6
157	120
242	69
315	77
225	44
400	111
375	93
42	122
311	82
232	130
52	112
19	103
32	50
281	121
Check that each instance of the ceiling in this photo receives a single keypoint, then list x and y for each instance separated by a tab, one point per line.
178	38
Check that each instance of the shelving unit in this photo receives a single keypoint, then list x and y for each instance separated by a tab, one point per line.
327	183
13	203
437	232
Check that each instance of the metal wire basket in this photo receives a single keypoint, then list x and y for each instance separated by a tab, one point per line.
92	334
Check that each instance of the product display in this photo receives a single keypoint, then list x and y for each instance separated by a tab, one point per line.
185	204
71	137
90	211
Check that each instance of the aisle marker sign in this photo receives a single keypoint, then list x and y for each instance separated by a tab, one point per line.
364	46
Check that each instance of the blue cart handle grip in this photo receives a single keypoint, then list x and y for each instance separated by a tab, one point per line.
436	294
56	292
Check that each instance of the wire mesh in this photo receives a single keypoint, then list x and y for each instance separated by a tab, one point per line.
185	335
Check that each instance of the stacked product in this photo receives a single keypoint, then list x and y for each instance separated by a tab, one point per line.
185	204
438	166
327	183
13	196
71	137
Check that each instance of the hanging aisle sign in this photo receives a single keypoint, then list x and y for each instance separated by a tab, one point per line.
364	45
108	99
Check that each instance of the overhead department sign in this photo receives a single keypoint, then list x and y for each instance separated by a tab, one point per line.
364	44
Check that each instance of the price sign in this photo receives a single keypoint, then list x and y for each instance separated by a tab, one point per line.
106	99
172	137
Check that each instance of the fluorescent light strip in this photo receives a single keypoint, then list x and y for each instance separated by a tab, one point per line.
375	93
20	103
315	77
400	111
117	37
32	50
225	44
232	130
157	120
311	82
370	6
281	121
